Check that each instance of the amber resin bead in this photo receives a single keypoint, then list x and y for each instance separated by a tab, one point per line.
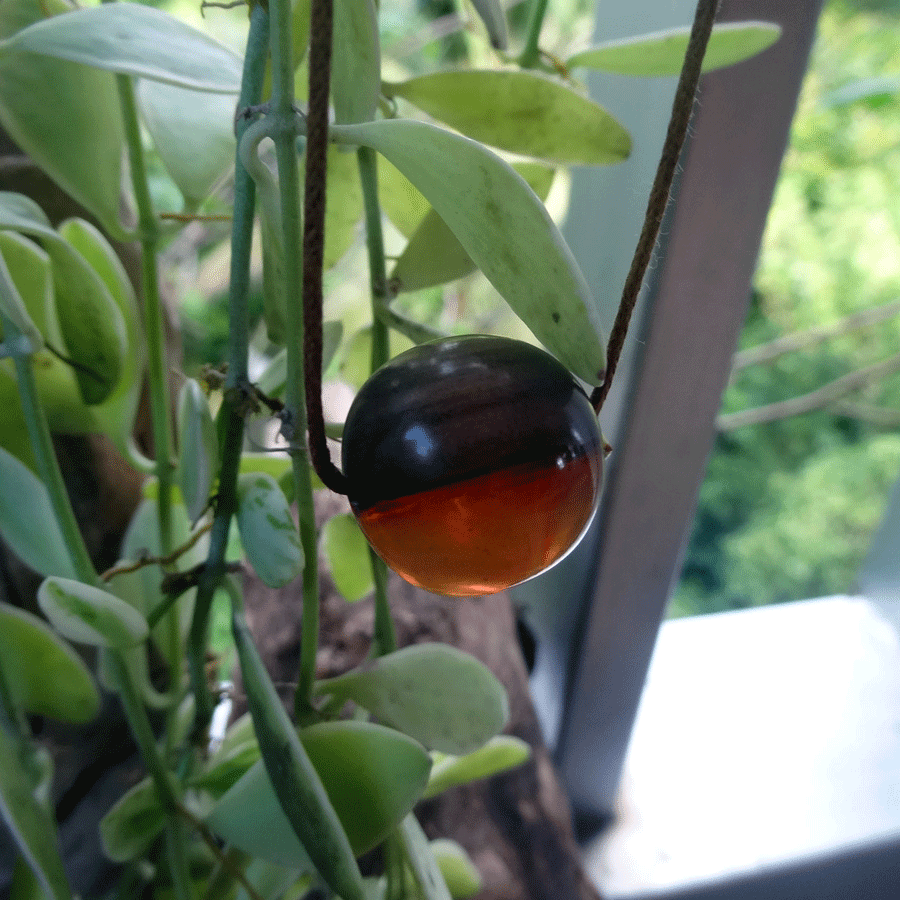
472	463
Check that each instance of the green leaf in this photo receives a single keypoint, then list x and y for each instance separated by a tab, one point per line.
12	305
133	823
27	521
442	697
44	675
504	228
29	268
494	17
274	377
269	463
28	820
273	256
193	132
88	615
347	552
462	878
343	205
520	111
356	61
401	201
65	116
141	589
373	775
434	256
116	415
268	532
92	325
25	884
662	53
356	366
21	213
300	791
131	39
499	754
422	861
226	769
199	448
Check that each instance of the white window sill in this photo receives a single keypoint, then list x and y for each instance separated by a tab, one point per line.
763	737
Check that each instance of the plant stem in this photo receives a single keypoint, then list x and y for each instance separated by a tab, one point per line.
384	639
136	713
160	405
295	389
531	52
143	732
368	176
42	446
682	108
238	337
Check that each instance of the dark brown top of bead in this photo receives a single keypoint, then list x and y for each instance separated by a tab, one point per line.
459	408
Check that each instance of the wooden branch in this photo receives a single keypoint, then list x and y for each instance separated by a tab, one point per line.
771	350
817	399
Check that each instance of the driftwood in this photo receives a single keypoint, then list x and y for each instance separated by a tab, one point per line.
517	826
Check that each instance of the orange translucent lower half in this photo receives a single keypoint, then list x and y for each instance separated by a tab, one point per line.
485	534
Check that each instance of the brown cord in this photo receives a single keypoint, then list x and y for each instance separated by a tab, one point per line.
320	28
682	108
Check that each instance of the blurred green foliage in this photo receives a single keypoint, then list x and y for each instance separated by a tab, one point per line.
788	508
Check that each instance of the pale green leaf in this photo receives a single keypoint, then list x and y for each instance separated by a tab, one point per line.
27	521
462	878
198	448
141	589
356	366
499	754
520	111
343	205
132	39
193	132
116	415
662	53
88	615
355	760
356	61
29	268
65	116
24	337
347	552
504	228
43	674
28	821
434	256
92	325
21	213
401	201
442	697
268	532
135	821
274	377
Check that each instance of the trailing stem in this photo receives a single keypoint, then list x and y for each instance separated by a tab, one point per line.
238	335
682	108
303	365
160	406
531	51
